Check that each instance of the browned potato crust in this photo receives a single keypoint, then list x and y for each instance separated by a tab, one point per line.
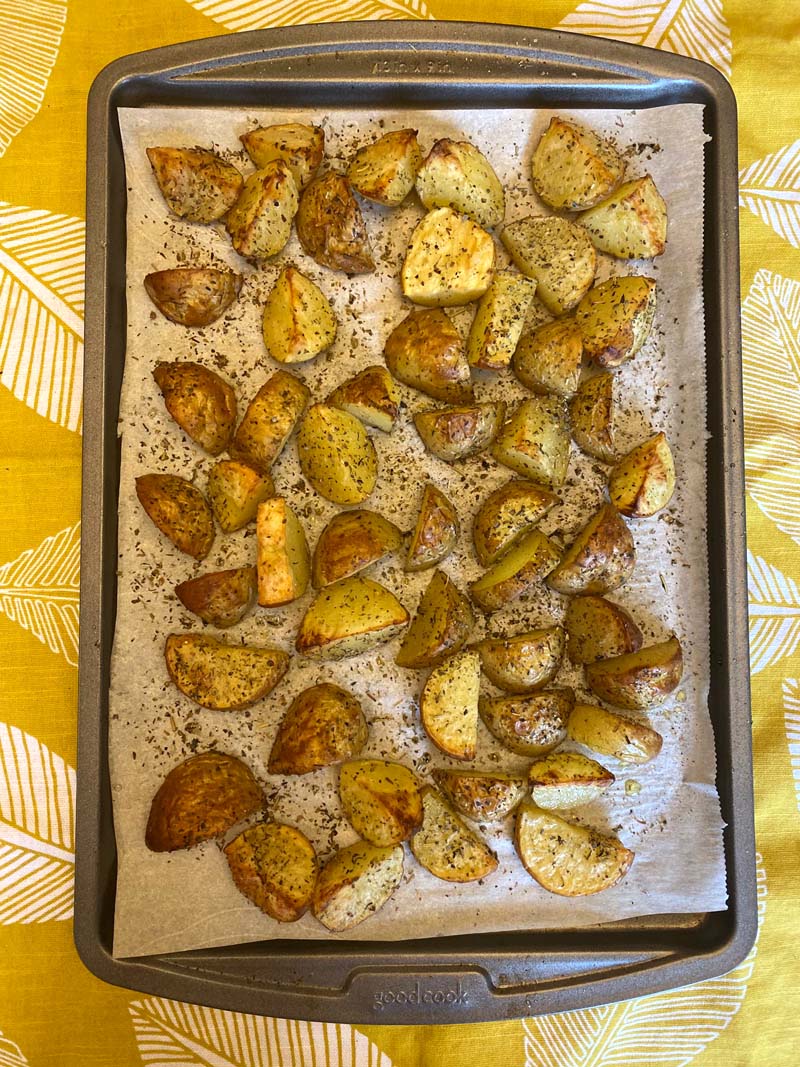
193	296
371	396
517	572
330	226
441	626
549	359
275	866
234	492
222	677
643	482
351	541
348	618
456	433
435	533
324	725
591	413
269	420
202	403
601	557
505	515
612	734
179	511
446	847
529	725
641	679
381	800
260	222
355	883
197	184
426	352
222	598
483	796
386	170
599	629
300	147
524	662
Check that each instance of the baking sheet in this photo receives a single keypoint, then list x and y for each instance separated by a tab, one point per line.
667	812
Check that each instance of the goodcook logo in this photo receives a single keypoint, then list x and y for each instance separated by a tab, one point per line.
419	995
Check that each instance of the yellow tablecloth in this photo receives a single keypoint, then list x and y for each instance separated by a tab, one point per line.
52	1011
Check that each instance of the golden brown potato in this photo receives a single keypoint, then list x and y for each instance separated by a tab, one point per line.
202	403
524	662
573	167
371	396
456	433
565	858
507	513
601	557
448	705
355	883
641	679
426	352
441	626
381	800
324	725
446	847
386	169
642	483
330	225
336	455
193	296
483	796
269	420
234	492
435	533
535	442
197	184
200	799
351	541
614	735
529	725
275	867
300	147
222	598
599	629
283	560
260	222
223	677
455	174
631	224
615	318
348	618
591	413
499	320
450	261
567	780
179	511
557	254
298	321
549	359
523	566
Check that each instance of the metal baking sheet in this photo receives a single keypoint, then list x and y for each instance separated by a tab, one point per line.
470	978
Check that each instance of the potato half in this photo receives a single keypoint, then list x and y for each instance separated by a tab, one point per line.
435	533
535	442
641	679
446	847
234	492
298	321
301	148
642	483
450	260
355	883
455	174
612	734
573	167
386	170
283	561
222	598
631	224
524	662
558	254
615	318
193	296
330	225
484	796
456	433
529	725
179	511
269	420
441	626
223	677
260	222
381	800
275	867
499	320
599	629
323	725
336	455
426	352
524	565
351	541
197	185
549	359
567	780
507	513
601	557
591	415
371	396
202	403
348	618
449	705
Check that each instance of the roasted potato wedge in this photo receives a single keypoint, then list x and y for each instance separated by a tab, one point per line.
535	442
642	483
298	321
573	167
631	224
524	662
507	513
348	618
193	296
197	185
558	254
529	725
371	396
269	420
641	679
222	598
615	318
523	566
614	735
223	677
591	415
179	511
601	557
355	883
336	455
275	867
324	725
200	799
455	433
599	629
300	147
567	780
450	261
202	403
260	222
455	174
283	563
435	533
449	705
499	320
549	359
426	352
234	492
565	858
330	225
386	170
351	541
484	796
446	847
381	800
441	626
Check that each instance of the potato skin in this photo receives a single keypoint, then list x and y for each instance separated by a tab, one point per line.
351	541
456	174
260	222
275	867
371	396
630	224
599	629
234	492
193	296
381	800
200	401
591	415
642	483
426	352
222	598
269	420
198	185
323	725
220	676
348	618
529	725
505	515
600	559
483	796
450	261
638	680
549	359
330	225
615	318
355	883
336	455
455	433
179	511
435	533
301	148
385	171
612	734
441	626
524	662
573	168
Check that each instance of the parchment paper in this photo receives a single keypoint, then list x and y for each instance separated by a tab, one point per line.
668	811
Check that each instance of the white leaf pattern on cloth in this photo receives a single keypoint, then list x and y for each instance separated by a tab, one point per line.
774	613
260	14
10	1054
37	816
770	188
791	715
40	590
41	311
695	28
